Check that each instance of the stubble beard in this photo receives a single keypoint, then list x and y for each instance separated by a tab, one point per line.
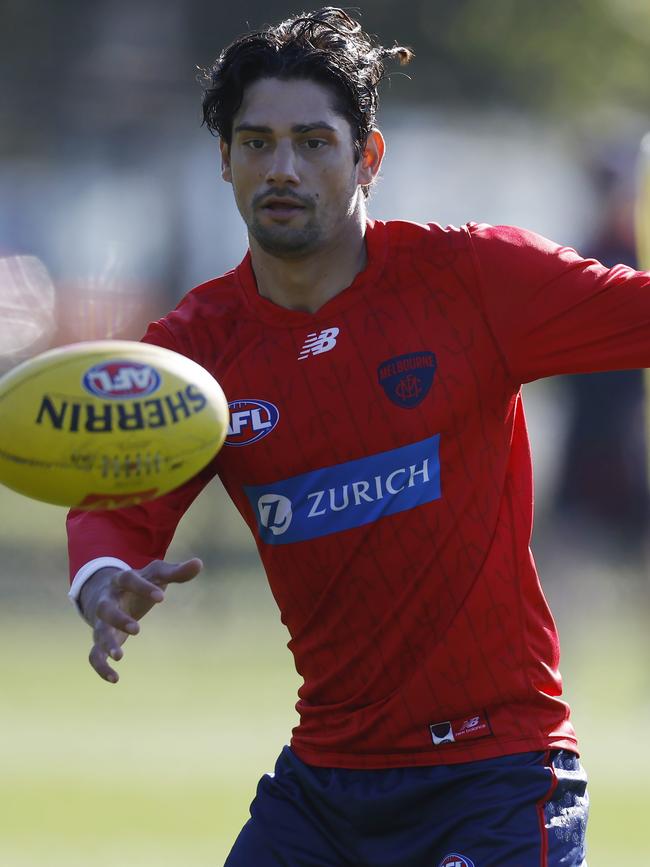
286	242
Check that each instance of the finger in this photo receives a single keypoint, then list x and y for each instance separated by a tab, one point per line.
98	660
109	640
136	583
110	612
160	572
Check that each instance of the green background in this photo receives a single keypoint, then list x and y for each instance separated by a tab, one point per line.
98	100
160	768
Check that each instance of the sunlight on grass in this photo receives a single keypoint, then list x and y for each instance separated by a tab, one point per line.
159	770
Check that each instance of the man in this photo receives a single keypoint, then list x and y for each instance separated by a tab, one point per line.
387	479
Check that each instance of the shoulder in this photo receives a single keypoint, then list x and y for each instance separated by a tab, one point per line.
511	238
441	246
430	246
202	319
208	302
405	233
515	251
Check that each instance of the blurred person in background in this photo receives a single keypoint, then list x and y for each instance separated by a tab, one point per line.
602	500
378	452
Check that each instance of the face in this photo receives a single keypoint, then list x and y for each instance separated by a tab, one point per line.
292	166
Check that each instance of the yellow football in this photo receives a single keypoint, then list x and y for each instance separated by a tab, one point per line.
107	424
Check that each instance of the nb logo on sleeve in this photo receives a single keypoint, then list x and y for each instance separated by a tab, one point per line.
317	343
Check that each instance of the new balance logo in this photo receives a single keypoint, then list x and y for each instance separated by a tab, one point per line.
317	343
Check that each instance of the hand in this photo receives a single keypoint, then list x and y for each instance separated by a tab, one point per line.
113	600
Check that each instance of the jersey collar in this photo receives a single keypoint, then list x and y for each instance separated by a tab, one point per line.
377	249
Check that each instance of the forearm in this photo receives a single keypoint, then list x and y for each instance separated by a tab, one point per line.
129	538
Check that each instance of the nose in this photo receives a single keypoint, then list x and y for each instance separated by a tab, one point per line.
282	167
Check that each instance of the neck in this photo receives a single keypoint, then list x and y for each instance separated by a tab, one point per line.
310	282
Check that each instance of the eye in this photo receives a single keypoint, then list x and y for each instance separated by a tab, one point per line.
314	144
255	144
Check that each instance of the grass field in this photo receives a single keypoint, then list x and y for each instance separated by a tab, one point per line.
156	770
160	769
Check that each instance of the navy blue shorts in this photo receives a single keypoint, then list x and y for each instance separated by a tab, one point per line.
524	810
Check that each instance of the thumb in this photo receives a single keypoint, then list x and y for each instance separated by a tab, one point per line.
163	573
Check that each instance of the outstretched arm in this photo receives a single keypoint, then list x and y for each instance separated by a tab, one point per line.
551	311
112	601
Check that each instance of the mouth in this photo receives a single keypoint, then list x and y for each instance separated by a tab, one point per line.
280	208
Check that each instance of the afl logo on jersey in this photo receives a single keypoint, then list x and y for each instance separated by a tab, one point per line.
407	379
120	379
455	860
250	421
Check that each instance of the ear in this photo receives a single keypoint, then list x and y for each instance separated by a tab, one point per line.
371	158
226	172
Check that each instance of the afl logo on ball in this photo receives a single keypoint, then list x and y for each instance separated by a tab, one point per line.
250	421
120	379
407	379
455	860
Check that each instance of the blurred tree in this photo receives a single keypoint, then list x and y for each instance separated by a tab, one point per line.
551	56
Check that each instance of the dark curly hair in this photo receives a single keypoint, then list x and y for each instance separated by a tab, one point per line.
326	46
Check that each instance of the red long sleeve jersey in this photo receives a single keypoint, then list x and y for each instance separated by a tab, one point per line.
378	452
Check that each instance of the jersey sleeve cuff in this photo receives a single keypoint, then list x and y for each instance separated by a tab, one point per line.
86	572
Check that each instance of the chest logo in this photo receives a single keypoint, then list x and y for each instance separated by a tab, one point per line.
316	343
456	860
275	513
348	495
407	379
250	421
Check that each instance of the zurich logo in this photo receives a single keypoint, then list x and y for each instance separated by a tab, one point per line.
455	860
407	379
275	513
348	495
120	379
250	421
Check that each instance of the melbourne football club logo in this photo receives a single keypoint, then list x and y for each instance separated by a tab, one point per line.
250	421
120	379
456	860
407	379
275	513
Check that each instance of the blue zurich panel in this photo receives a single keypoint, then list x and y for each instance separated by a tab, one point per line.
332	499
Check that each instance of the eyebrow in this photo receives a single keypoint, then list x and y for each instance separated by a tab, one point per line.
297	128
